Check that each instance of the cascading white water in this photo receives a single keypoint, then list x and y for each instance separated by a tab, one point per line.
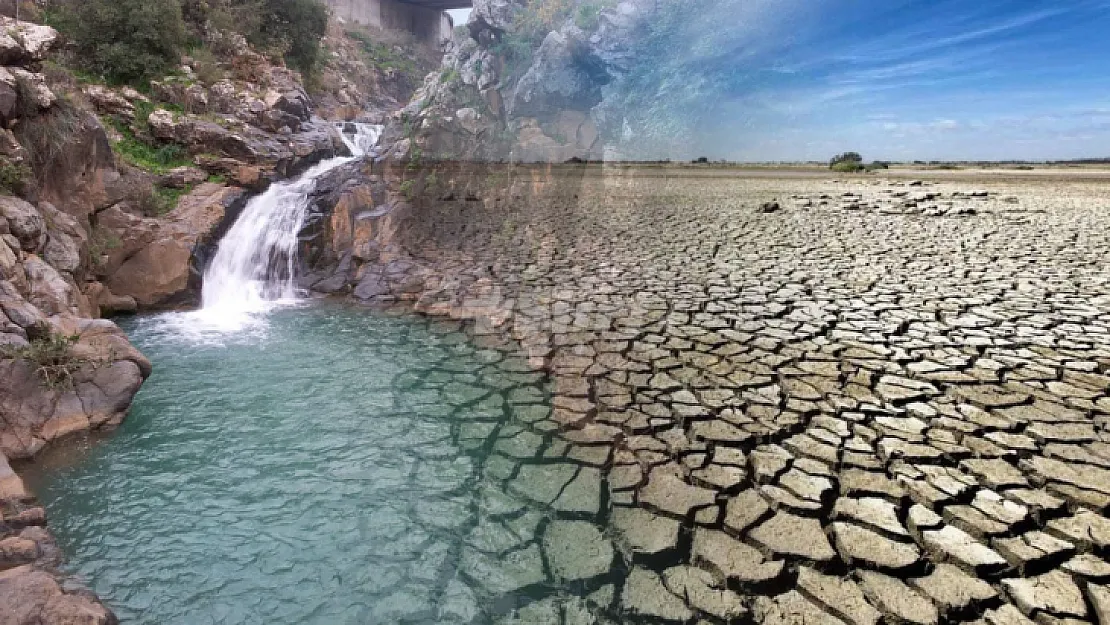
253	268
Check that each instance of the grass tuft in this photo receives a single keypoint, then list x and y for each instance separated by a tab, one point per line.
49	353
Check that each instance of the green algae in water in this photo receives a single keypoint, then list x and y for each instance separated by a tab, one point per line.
334	466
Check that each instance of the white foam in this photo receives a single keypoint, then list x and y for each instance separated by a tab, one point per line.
253	270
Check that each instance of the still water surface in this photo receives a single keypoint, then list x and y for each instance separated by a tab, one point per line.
329	466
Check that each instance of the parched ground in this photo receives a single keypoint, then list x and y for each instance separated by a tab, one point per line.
883	401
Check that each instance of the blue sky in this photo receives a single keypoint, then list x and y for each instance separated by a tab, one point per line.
905	79
912	79
460	15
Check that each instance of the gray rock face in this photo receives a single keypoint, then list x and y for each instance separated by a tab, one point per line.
495	14
25	223
24	42
561	77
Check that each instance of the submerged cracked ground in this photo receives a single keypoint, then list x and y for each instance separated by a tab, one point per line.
810	401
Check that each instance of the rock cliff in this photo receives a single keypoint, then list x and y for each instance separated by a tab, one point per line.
524	82
63	371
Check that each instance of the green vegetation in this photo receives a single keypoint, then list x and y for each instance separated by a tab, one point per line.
102	241
154	159
206	65
449	75
386	57
49	353
46	135
589	13
13	176
133	41
848	167
847	157
406	189
852	162
156	201
293	27
139	150
126	41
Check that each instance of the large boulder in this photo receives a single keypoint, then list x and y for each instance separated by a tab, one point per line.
39	92
155	262
29	595
83	181
24	42
494	14
9	95
109	102
66	240
24	221
155	274
104	372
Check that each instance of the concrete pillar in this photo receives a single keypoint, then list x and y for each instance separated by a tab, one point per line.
429	26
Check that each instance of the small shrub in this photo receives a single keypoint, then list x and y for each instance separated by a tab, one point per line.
588	14
139	151
157	200
207	66
13	176
101	242
46	136
449	75
847	157
49	353
291	29
848	167
385	57
406	189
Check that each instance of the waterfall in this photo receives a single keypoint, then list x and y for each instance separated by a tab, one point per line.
253	268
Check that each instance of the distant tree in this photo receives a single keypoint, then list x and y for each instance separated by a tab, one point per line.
847	157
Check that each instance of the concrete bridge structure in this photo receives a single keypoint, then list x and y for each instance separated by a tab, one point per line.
425	19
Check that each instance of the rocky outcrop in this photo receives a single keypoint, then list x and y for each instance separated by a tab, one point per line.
36	597
368	73
63	371
29	591
155	261
43	256
484	106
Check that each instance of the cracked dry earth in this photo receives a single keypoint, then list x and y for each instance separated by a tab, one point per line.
884	402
